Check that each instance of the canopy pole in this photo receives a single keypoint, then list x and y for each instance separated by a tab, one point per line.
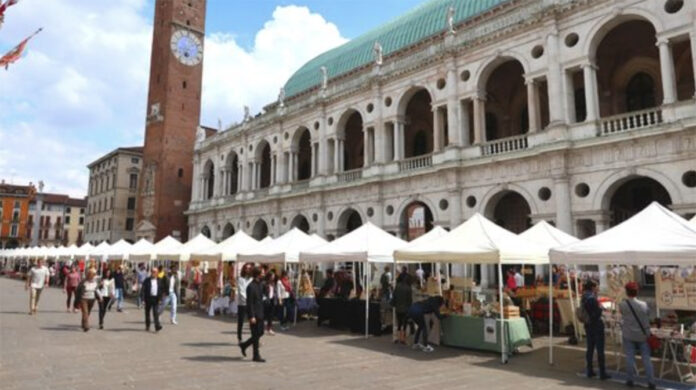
572	301
366	290
502	318
395	334
438	276
298	275
550	317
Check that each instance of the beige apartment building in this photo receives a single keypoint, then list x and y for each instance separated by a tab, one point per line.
111	200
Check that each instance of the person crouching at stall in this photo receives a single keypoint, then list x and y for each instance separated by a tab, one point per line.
635	330
417	313
594	329
403	297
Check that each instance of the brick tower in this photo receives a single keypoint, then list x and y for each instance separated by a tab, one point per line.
173	114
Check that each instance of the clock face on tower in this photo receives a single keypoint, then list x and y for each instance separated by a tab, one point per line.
187	48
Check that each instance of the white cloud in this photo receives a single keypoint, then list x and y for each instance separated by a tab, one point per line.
81	89
234	77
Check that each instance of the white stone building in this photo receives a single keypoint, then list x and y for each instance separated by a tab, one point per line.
576	112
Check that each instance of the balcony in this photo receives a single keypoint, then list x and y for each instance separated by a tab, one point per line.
631	121
416	163
505	145
300	184
350	176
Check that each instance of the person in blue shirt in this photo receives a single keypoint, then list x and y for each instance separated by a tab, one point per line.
594	330
417	313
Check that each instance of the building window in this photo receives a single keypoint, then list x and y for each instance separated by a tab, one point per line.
135	160
67	210
82	221
133	181
109	223
129	224
111	203
181	172
82	210
15	216
13	231
131	203
16	204
67	220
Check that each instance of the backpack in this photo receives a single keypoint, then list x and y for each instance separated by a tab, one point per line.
581	313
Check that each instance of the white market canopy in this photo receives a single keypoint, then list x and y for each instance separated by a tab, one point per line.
84	251
118	251
101	250
197	244
167	248
228	249
284	249
266	240
141	251
693	221
367	243
654	236
477	241
543	233
67	253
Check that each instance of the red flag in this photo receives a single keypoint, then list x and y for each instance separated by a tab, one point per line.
6	4
16	53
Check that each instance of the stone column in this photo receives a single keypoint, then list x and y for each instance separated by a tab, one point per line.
591	99
313	160
554	79
692	37
195	184
399	141
533	106
564	220
341	156
366	147
295	165
274	161
479	120
454	125
569	97
437	130
380	132
464	118
240	177
669	85
252	176
291	166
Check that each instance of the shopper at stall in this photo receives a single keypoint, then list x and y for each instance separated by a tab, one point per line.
635	330
594	330
107	290
37	280
72	280
270	300
510	282
329	284
172	296
286	299
385	284
153	289
242	284
255	311
519	278
417	313
403	298
88	293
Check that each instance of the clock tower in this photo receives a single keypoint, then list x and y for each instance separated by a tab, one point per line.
173	114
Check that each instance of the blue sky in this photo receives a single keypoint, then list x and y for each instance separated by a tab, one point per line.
81	89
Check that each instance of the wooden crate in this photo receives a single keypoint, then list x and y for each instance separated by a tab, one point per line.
511	312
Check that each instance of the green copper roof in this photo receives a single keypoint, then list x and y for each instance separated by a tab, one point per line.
406	30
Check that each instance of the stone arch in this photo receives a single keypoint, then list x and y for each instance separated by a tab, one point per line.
415	107
260	229
351	129
232	164
492	196
205	230
263	158
228	230
510	210
209	179
602	27
301	222
416	217
485	70
347	218
302	145
608	186
506	99
407	94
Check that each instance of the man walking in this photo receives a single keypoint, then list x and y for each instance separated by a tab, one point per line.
171	298
254	306
37	279
141	275
153	288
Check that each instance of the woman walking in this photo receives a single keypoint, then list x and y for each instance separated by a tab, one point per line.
107	290
88	292
270	300
72	280
285	300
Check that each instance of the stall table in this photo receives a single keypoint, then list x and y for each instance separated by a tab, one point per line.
468	332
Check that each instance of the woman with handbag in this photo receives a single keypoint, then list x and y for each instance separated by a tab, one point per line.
636	333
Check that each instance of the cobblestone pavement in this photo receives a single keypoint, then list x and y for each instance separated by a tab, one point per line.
50	351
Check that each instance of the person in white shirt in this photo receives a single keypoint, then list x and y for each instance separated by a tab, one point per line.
107	291
37	280
172	295
88	291
420	275
519	279
242	283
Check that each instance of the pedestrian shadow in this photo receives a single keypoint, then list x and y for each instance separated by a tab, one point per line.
213	358
63	328
26	313
208	344
383	345
125	330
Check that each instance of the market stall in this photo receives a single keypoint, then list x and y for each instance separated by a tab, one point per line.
655	237
480	241
365	245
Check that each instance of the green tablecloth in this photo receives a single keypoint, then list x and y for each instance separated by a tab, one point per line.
468	332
